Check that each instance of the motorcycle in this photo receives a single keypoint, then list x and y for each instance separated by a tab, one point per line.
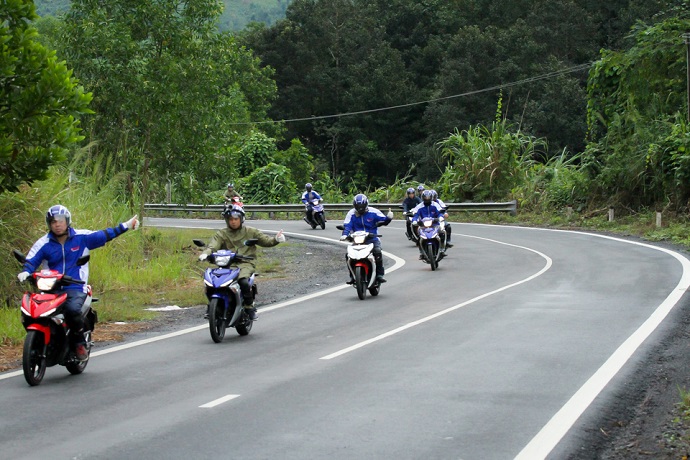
409	231
47	341
318	217
235	200
432	241
223	292
361	264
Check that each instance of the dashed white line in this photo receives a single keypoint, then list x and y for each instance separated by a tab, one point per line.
219	401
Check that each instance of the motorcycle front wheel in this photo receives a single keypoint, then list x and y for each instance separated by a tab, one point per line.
321	221
431	255
361	282
33	364
216	323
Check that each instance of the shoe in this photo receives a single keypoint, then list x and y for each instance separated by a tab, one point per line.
352	281
421	257
449	244
380	279
81	352
251	311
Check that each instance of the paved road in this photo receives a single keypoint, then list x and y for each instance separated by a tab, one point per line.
493	356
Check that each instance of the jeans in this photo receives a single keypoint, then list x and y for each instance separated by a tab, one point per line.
73	317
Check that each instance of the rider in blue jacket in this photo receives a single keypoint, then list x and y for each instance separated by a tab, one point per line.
60	248
307	197
363	217
427	208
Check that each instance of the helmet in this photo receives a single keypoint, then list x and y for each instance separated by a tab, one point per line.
231	185
307	186
234	211
361	204
410	190
420	188
58	210
434	195
427	197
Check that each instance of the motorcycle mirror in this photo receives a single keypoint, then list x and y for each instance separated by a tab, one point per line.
199	243
19	256
380	223
251	242
83	260
340	227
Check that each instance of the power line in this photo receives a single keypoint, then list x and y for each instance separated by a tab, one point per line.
556	73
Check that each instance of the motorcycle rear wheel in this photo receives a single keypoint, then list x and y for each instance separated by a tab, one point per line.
33	364
244	324
216	323
374	290
361	282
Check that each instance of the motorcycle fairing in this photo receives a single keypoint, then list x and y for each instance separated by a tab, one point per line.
44	329
38	305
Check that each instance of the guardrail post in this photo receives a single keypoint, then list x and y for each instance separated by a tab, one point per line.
610	213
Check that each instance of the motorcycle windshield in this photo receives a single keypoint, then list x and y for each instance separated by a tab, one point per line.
221	276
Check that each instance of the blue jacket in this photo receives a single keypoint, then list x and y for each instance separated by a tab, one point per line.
307	197
367	221
63	258
421	211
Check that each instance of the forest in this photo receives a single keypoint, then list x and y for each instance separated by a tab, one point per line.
551	103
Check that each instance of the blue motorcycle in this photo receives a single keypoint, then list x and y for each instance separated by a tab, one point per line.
432	241
224	295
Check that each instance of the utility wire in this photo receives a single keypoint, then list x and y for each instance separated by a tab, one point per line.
411	104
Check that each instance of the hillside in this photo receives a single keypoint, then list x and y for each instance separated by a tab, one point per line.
237	13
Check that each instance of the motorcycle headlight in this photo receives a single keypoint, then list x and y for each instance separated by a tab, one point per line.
360	239
223	261
428	223
45	284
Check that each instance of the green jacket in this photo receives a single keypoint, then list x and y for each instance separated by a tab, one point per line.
234	241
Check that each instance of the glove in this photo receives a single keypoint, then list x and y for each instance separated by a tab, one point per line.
133	223
203	257
343	237
390	214
23	276
280	238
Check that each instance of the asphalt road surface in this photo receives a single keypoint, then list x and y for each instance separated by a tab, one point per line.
496	355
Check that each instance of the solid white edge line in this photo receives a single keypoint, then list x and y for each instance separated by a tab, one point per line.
219	401
448	310
555	429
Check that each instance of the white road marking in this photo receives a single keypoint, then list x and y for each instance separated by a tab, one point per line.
551	434
447	310
219	401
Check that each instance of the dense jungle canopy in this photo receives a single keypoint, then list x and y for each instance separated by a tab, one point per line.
558	101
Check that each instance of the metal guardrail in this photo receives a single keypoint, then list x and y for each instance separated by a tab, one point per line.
509	207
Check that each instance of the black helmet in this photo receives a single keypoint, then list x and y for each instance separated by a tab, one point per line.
58	210
307	186
361	204
231	185
410	190
427	197
234	211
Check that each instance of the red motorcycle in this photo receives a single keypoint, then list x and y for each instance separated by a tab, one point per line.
47	341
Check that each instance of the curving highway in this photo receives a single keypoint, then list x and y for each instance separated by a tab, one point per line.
496	355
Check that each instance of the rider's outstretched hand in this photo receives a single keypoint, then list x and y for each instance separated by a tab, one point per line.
23	276
133	223
390	213
280	238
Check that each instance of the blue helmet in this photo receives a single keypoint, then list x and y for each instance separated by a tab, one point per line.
307	187
58	210
427	197
410	190
361	204
234	211
420	188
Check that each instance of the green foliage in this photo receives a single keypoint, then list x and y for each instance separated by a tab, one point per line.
257	150
298	160
270	184
486	163
40	101
171	93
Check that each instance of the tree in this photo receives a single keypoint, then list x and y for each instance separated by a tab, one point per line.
171	92
40	101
